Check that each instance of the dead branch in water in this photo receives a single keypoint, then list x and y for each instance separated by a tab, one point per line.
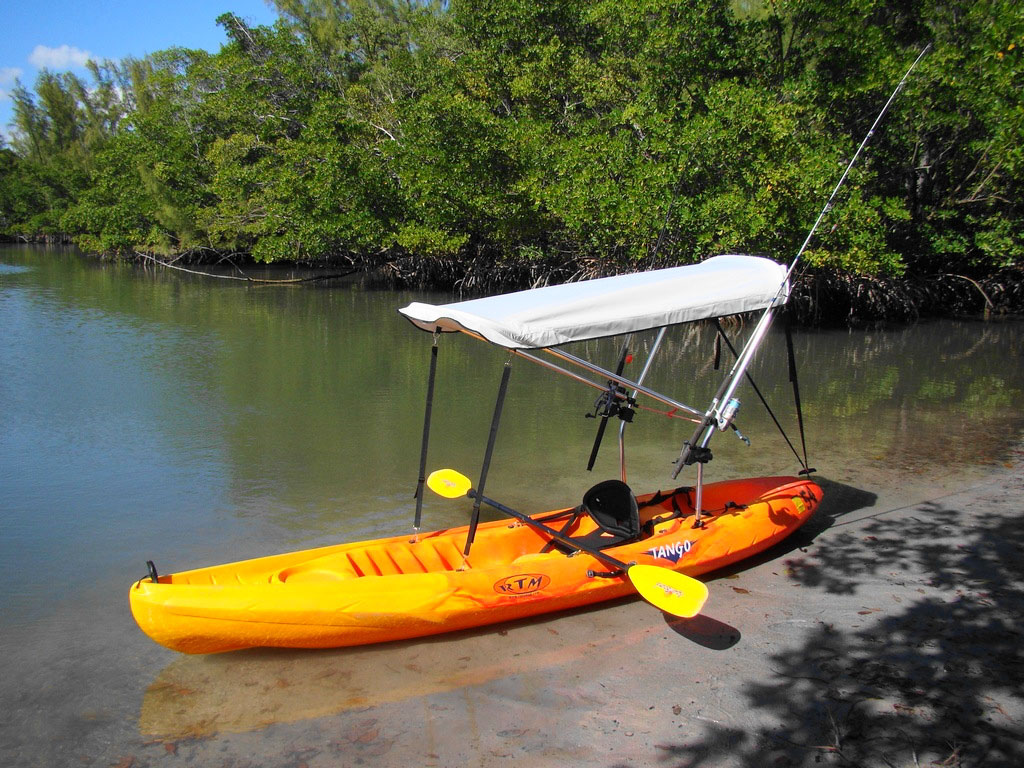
244	277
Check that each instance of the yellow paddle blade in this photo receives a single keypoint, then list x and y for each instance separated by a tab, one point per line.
448	483
672	592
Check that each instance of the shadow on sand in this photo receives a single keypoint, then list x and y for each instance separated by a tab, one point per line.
935	680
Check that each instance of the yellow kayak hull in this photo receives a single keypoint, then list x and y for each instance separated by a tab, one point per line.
395	589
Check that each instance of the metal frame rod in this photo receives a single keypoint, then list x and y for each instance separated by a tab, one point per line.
640	380
580	362
739	368
699	502
627	383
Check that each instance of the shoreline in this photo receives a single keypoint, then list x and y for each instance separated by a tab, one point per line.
820	298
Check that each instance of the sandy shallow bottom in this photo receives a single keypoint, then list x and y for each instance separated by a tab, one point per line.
887	632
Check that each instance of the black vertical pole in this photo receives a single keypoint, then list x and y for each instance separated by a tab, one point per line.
426	437
607	410
498	406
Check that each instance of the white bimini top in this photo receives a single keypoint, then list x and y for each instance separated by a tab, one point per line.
608	306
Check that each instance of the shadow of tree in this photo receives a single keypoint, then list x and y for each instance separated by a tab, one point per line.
939	680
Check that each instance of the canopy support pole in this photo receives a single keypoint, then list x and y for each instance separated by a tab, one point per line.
426	439
495	420
595	369
598	370
563	355
699	499
639	381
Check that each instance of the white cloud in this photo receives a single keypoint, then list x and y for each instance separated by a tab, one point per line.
7	77
63	57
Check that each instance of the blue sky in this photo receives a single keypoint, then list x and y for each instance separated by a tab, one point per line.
60	35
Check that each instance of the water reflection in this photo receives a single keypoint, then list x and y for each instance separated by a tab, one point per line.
196	697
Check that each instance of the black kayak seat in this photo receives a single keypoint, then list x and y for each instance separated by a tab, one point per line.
612	506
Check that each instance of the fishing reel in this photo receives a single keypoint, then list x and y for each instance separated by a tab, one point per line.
724	419
614	402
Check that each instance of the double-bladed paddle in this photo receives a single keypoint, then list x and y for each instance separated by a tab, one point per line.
668	590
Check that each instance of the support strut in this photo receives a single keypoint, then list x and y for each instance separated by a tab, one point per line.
495	420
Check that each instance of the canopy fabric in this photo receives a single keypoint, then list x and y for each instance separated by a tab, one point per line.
608	306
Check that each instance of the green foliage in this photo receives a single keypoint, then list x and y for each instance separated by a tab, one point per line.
111	215
952	146
568	131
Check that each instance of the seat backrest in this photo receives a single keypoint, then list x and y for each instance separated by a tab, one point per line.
613	507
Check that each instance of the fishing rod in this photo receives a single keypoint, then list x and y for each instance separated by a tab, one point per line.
722	408
842	179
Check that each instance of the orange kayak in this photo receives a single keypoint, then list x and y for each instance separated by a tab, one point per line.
396	588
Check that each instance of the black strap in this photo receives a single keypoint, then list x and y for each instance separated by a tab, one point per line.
803	462
796	391
659	497
563	532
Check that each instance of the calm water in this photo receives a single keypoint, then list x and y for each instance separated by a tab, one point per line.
155	415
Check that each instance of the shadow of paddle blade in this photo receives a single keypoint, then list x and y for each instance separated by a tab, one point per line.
704	630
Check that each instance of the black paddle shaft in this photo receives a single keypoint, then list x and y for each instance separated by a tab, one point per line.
568	540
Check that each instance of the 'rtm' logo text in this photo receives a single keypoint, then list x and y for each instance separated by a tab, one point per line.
670	551
522	584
